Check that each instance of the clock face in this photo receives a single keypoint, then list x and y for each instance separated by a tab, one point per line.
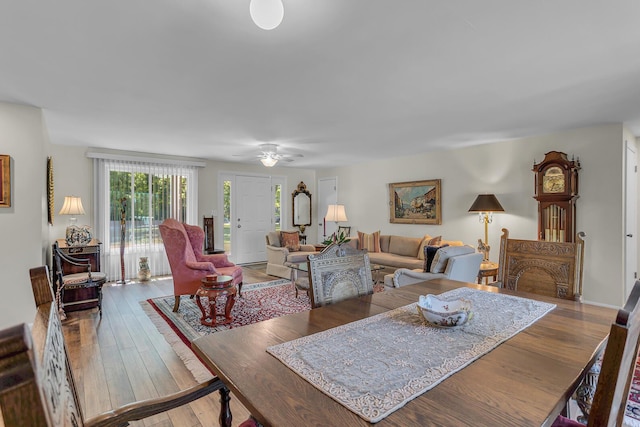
553	180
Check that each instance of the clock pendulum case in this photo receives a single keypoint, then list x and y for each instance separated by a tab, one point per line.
556	190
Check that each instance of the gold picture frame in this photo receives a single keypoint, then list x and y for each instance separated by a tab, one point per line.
5	181
415	202
50	198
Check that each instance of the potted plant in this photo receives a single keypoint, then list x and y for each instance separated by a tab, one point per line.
336	238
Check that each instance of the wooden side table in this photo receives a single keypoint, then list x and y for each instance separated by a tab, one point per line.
223	286
487	269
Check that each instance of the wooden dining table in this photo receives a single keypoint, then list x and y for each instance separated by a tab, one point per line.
525	381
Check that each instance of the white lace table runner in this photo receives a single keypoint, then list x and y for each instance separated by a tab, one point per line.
375	365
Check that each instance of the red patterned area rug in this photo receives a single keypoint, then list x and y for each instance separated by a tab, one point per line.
260	301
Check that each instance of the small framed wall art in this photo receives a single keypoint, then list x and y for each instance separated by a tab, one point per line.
415	202
5	181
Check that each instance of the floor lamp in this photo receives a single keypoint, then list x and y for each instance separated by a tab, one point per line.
485	205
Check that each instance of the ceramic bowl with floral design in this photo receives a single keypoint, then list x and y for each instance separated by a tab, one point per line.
438	312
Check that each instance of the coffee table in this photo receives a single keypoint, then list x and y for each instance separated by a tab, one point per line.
222	286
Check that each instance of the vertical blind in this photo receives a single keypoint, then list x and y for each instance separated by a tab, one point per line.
132	200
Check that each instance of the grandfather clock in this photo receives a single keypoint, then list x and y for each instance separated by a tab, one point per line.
556	187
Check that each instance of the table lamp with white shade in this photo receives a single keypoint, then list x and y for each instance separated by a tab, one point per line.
75	235
336	213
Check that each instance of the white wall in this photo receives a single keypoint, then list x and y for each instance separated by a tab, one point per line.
73	176
504	168
23	226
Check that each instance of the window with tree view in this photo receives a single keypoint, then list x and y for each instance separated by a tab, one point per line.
147	200
134	198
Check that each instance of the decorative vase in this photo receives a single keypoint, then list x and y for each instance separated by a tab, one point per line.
144	273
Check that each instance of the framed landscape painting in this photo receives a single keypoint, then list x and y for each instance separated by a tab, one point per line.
415	202
5	181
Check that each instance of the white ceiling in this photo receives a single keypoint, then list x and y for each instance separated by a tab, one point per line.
338	81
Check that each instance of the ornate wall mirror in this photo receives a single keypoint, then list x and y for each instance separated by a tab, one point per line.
301	199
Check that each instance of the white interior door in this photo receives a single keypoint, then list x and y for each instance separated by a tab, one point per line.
327	195
252	221
631	218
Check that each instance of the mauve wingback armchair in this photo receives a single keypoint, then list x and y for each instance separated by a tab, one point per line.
183	245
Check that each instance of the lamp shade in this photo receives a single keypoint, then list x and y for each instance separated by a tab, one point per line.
336	213
486	203
72	206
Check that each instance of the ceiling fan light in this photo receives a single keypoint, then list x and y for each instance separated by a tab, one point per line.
269	161
266	14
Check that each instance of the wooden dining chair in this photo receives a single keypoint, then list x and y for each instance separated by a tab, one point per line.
338	272
79	279
617	369
37	386
545	268
618	364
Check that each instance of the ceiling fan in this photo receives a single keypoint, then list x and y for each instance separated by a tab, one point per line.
269	155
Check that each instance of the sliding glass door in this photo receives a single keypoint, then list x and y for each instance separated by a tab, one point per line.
134	198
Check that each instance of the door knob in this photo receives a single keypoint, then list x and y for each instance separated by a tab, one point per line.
629	235
239	226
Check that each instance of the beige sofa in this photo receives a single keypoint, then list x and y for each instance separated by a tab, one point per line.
277	255
400	251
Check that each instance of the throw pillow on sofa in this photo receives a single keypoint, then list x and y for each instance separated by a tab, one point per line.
273	239
290	240
370	242
428	241
429	255
439	263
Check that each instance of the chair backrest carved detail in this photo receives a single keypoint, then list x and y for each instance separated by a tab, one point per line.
546	268
337	273
56	377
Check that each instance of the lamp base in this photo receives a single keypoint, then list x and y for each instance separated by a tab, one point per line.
78	236
484	250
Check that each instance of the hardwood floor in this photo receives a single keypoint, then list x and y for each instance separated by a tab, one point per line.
122	357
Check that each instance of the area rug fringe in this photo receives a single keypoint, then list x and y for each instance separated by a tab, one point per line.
180	343
198	370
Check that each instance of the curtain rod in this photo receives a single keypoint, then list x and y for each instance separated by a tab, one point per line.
146	159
